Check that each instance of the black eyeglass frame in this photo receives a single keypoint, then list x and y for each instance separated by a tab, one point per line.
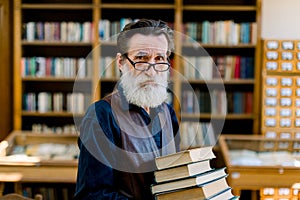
150	64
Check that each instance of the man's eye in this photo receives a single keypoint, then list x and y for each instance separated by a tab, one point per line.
160	58
140	58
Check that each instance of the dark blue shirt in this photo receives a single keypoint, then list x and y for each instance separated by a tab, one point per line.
96	180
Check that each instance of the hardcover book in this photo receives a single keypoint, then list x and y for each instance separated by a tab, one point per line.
182	171
201	191
197	180
196	193
185	157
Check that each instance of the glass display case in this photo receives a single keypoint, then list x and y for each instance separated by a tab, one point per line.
255	161
40	157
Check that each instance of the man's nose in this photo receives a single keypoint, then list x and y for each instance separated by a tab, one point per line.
151	71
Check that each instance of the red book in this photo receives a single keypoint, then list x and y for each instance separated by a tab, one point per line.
248	102
237	67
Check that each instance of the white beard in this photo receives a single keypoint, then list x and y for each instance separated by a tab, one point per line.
148	95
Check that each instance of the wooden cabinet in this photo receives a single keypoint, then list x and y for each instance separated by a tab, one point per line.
40	163
256	162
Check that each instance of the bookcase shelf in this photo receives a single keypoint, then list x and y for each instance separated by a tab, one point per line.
226	82
58	43
137	6
51	114
54	79
95	85
212	116
56	6
218	8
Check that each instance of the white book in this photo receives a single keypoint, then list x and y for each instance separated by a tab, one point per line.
43	102
63	31
86	30
30	31
79	103
66	67
206	67
81	68
58	102
77	32
58	69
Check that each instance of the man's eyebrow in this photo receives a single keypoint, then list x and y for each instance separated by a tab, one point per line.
142	53
161	54
145	53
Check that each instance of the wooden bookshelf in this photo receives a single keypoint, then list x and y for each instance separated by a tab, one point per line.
6	69
177	13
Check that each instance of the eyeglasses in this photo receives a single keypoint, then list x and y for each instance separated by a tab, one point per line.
145	66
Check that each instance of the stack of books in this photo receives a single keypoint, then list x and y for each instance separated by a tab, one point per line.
188	175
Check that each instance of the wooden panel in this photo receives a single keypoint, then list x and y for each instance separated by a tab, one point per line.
5	71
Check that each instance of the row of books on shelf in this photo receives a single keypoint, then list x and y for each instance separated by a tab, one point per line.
194	134
67	129
109	29
224	32
108	67
202	68
226	67
65	67
55	102
216	102
188	175
65	31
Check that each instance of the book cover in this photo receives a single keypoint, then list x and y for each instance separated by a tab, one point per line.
224	194
182	171
184	157
205	191
197	180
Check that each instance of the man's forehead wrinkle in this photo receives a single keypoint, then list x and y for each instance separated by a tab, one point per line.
148	51
140	42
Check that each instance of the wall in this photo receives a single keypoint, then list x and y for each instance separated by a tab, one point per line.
280	19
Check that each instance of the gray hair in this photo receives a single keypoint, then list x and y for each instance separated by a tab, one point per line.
145	27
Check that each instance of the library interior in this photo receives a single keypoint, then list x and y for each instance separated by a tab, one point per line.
233	84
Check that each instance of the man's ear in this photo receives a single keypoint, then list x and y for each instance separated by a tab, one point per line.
119	60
